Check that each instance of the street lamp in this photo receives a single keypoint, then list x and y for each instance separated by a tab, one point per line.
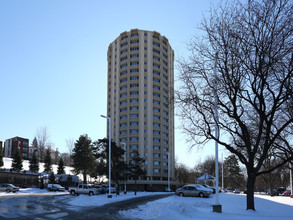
169	190
217	207
124	144
108	118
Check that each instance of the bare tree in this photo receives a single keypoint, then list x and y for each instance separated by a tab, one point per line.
250	48
43	141
70	146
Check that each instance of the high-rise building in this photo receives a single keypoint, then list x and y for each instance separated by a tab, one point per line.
140	101
10	146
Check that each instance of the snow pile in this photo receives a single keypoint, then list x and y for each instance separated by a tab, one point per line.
233	207
99	200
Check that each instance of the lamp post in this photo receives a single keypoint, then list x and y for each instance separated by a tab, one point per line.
169	172
124	144
217	207
108	118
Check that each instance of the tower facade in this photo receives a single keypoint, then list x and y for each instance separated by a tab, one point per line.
140	100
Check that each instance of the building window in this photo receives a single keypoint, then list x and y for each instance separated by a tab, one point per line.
133	116
133	146
123	95
134	34
165	142
133	139
122	45
133	63
134	56
156	94
155	37
156	155
165	127
123	51
156	132
134	42
165	113
133	85
123	66
156	87
156	147
156	162
123	117
156	73
134	48
123	139
123	80
123	125
156	117
165	134
134	93
156	102
155	65
165	63
165	120
133	100
123	87
134	77
156	110
156	80
134	70
165	56
165	77
123	102
164	49
133	108
156	125
165	84
123	73
123	110
133	131
124	58
156	51
165	149
155	44
165	164
165	156
134	123
165	91
157	140
123	132
165	98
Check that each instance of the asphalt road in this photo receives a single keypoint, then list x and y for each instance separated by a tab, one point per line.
41	207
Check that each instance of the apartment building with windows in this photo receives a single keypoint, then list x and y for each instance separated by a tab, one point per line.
10	145
140	101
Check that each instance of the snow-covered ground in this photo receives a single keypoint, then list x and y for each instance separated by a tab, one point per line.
174	207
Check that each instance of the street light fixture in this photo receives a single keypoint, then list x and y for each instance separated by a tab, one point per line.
124	144
108	118
217	207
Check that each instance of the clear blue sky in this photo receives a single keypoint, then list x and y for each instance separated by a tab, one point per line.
53	62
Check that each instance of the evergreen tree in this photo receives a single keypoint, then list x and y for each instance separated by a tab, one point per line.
137	169
118	167
17	161
48	162
83	157
34	163
52	179
1	158
61	166
232	172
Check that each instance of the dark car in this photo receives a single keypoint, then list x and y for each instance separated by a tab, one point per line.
193	190
55	187
7	187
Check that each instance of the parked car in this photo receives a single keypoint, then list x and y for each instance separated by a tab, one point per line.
55	187
101	189
275	192
210	187
7	187
83	189
237	191
106	187
286	193
193	190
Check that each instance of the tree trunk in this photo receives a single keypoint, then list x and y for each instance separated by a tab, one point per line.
84	178
250	191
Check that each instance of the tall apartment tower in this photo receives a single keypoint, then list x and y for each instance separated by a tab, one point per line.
140	101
